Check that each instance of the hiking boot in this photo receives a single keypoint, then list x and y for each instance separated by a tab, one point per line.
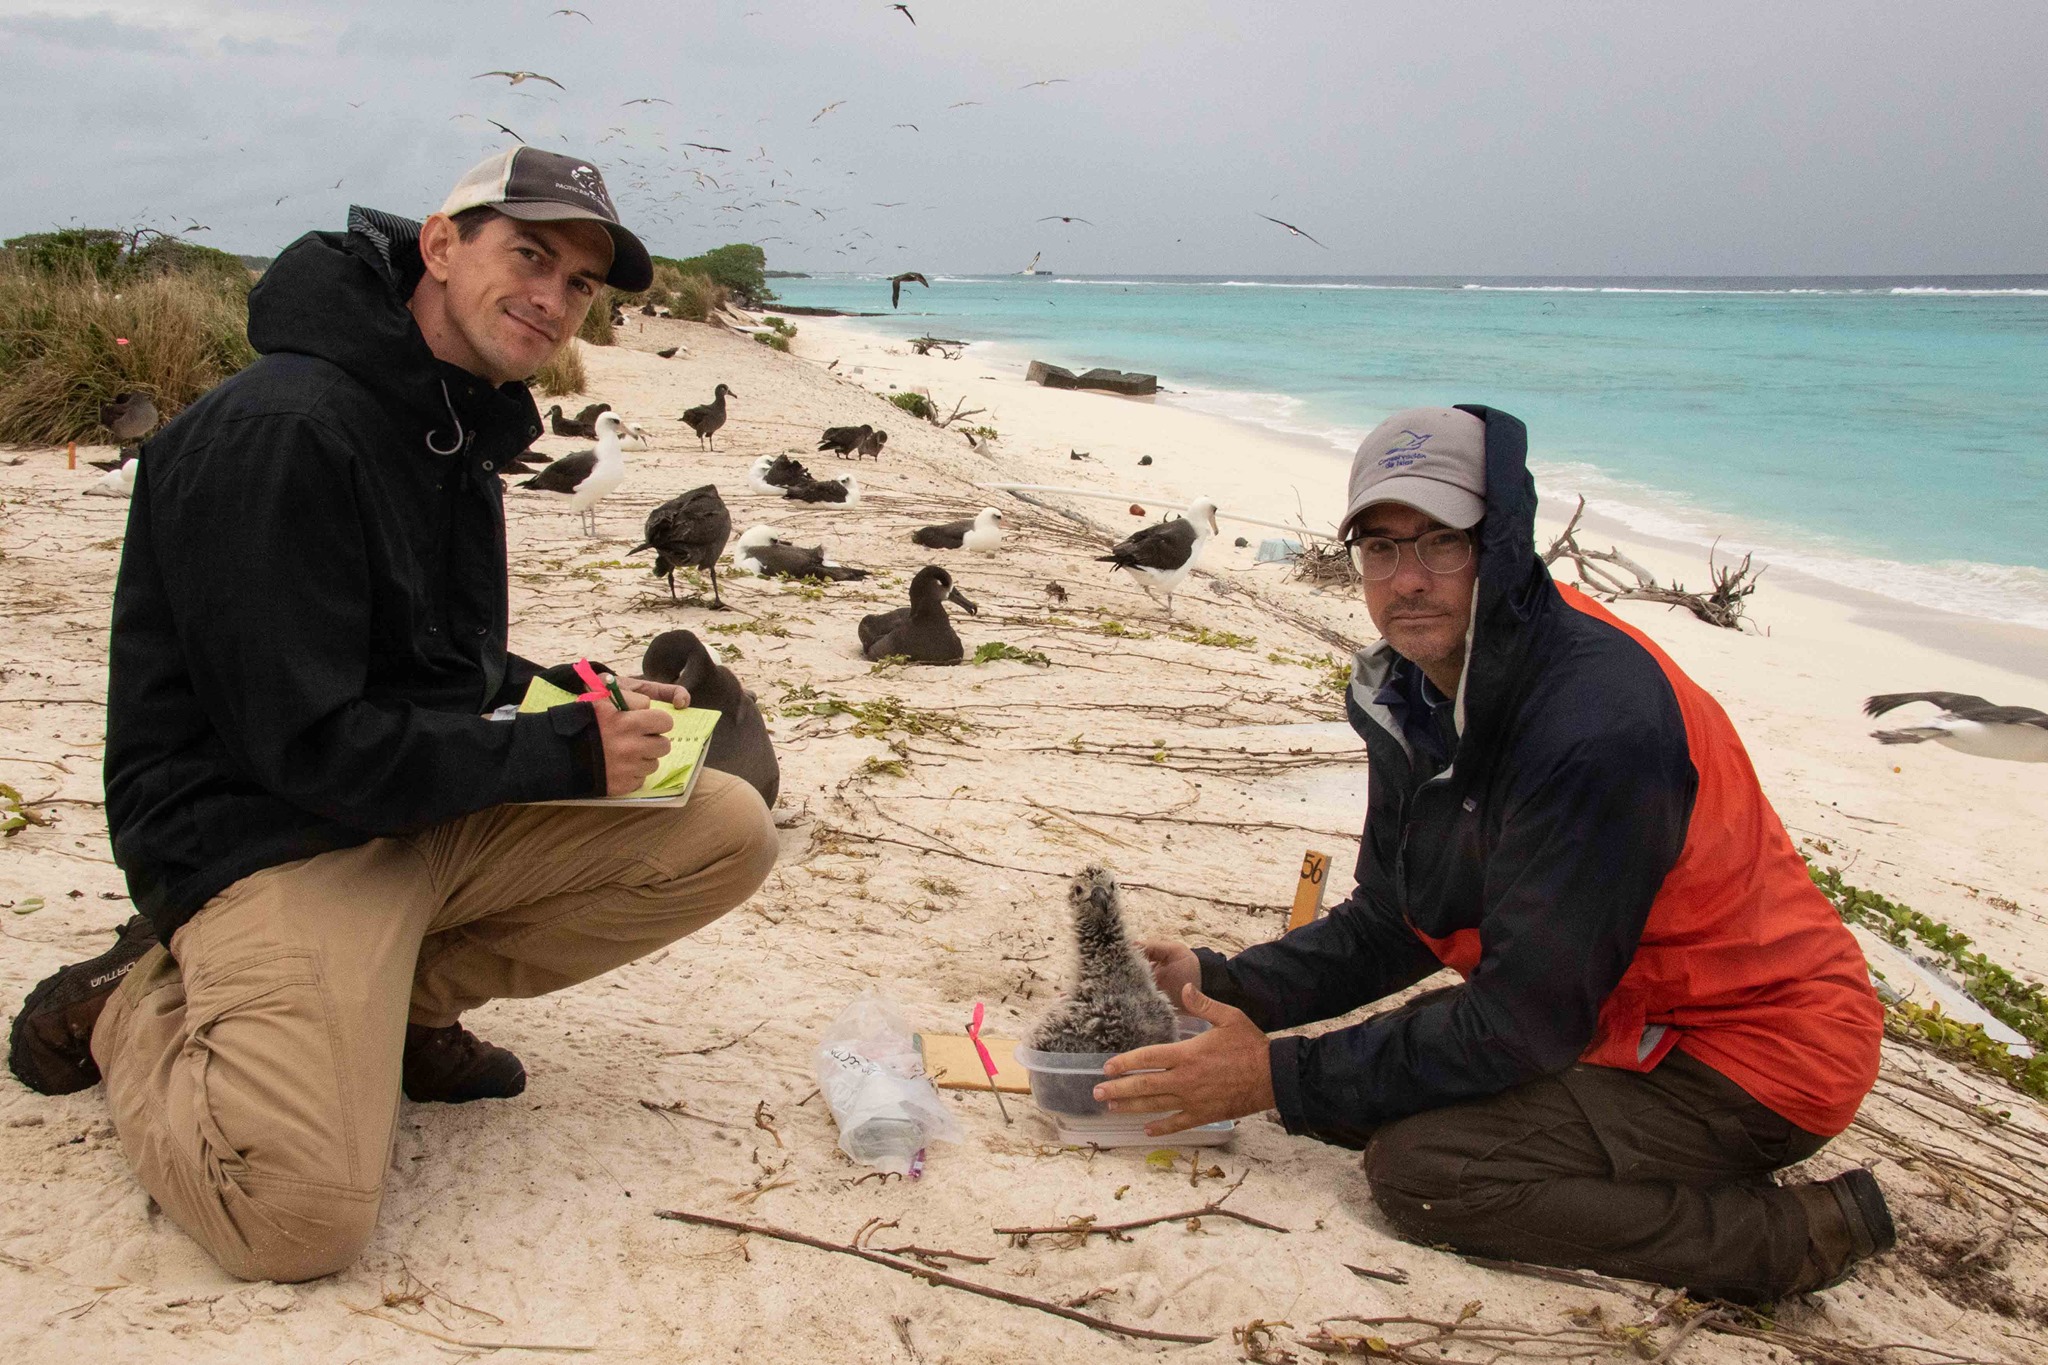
453	1066
50	1048
1846	1222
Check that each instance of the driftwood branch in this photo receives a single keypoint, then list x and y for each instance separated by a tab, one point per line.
1080	1230
1601	572
931	1276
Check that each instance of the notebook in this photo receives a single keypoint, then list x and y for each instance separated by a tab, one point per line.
673	778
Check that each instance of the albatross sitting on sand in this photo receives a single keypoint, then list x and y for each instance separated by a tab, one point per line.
982	531
920	632
740	744
1969	725
689	531
773	473
118	482
588	475
846	490
760	552
1161	557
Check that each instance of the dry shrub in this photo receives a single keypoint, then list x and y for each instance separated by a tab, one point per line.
697	297
563	374
597	323
61	354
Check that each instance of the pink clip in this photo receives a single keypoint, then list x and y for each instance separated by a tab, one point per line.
598	691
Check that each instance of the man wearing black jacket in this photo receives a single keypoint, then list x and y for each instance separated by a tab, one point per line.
1658	1008
329	834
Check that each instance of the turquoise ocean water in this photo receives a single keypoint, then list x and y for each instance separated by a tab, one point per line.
1884	434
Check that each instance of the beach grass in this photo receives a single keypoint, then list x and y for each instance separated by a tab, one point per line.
597	326
563	374
74	333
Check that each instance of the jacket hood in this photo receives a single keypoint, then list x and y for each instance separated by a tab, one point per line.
1514	587
341	297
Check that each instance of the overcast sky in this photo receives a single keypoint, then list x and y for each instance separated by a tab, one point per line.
1483	138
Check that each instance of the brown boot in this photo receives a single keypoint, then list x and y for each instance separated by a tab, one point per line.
50	1047
1846	1222
453	1066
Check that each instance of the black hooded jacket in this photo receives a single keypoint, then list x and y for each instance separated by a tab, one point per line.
310	617
1565	803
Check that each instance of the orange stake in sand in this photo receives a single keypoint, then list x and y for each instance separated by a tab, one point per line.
71	454
1308	892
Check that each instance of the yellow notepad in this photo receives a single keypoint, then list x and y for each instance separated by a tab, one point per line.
673	778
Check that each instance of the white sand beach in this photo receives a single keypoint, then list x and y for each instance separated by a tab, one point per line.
930	818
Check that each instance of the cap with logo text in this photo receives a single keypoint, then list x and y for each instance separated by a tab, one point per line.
1430	459
545	187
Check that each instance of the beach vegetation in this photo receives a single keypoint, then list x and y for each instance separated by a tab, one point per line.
563	374
880	718
86	314
1117	630
780	330
768	624
696	297
884	767
740	267
597	326
916	404
2022	1005
1215	639
774	341
983	433
997	650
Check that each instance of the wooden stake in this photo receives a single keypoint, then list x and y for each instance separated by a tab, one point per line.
71	454
1308	892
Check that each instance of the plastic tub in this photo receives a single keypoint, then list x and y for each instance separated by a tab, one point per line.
1063	1083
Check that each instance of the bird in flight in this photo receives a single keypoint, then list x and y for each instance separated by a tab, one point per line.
1293	229
517	77
911	126
707	147
897	205
1056	80
577	12
896	283
964	104
648	100
906	14
826	110
1063	218
503	129
202	227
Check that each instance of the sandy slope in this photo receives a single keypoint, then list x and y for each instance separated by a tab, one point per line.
533	1221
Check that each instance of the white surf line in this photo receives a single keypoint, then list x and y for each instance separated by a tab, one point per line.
1143	498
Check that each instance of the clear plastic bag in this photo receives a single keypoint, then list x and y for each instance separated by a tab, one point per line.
870	1072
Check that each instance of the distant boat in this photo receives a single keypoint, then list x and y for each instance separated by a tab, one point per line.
1033	269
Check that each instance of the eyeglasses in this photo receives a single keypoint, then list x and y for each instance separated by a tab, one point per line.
1444	550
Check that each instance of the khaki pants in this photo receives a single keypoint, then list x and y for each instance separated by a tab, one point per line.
253	1071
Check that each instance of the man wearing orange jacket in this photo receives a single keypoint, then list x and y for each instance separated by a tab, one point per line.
1658	1007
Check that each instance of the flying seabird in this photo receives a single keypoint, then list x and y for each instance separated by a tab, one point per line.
588	475
583	424
118	482
518	76
844	441
1163	555
920	632
1063	218
906	14
1056	80
706	418
1969	725
1293	229
689	531
130	417
773	473
846	490
740	743
982	531
760	551
896	283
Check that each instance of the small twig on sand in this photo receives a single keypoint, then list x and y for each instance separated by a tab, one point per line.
1396	1276
902	1326
716	1047
931	1276
465	1342
1081	1229
1705	1318
1584	1279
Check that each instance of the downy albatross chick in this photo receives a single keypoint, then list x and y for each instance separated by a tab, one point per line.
1969	725
740	744
1161	557
130	417
872	443
706	418
1112	1005
773	473
921	632
846	490
983	531
689	531
760	552
588	475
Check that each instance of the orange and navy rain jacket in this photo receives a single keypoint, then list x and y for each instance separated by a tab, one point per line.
1596	859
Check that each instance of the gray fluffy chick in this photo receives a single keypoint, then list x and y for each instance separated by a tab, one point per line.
1113	1005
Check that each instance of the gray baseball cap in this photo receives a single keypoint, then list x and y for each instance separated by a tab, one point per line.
1430	459
545	187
